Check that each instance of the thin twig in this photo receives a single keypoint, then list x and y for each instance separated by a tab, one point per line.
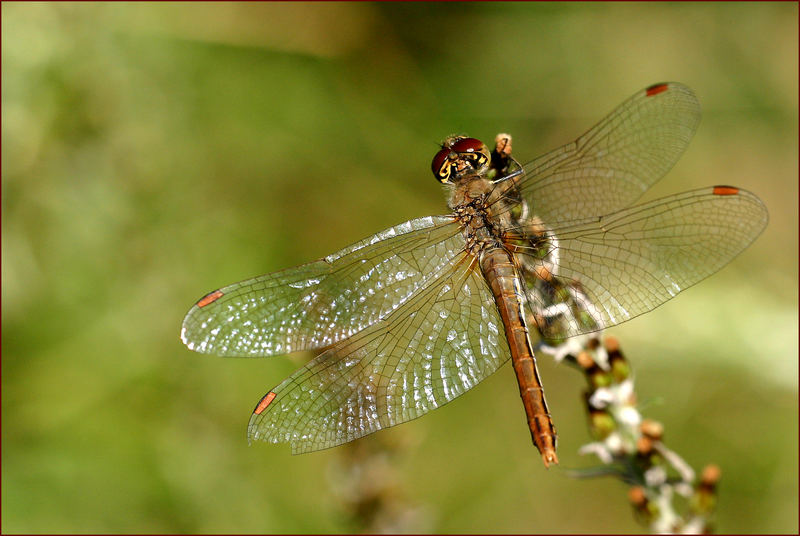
631	447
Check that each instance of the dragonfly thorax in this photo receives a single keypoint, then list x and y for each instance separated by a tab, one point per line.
479	228
470	190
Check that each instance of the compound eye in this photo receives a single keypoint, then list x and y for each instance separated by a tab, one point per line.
468	145
472	153
441	165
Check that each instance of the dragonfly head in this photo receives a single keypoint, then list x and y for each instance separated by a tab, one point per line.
460	155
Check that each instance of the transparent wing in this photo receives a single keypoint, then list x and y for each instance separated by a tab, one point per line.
440	343
629	262
614	163
317	304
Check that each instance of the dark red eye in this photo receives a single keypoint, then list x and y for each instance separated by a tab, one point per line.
438	163
467	145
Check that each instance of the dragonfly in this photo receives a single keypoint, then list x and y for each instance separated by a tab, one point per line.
418	314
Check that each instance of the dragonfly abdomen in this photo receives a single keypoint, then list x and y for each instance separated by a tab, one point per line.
498	269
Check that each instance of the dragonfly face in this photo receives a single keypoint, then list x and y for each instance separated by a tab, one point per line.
418	314
459	156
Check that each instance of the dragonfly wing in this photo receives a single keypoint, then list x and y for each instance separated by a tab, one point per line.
440	343
631	261
320	303
614	163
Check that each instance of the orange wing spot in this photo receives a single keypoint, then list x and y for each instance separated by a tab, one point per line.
266	401
656	89
725	190
209	298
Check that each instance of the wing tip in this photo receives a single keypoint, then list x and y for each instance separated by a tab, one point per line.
184	340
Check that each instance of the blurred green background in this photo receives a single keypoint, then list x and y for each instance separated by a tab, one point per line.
152	153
